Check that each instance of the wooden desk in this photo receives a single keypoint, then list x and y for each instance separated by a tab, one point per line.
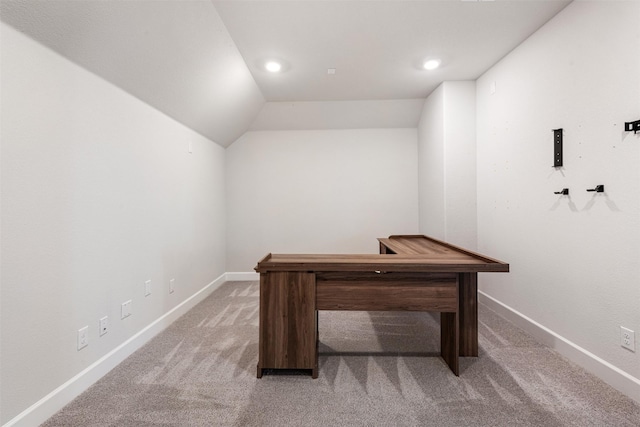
411	273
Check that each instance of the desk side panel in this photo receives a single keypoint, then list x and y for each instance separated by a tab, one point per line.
287	321
468	314
449	340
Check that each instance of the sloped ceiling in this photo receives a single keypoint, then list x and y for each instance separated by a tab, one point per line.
376	47
176	56
201	61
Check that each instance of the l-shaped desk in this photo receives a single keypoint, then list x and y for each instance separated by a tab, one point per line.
411	273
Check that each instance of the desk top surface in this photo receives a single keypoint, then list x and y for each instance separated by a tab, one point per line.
412	254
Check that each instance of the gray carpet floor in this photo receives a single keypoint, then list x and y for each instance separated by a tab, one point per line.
376	369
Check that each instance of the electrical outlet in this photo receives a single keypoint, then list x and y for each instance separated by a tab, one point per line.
627	338
147	288
172	284
104	325
83	337
126	309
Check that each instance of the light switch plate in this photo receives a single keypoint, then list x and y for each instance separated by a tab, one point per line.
147	288
126	309
104	325
83	337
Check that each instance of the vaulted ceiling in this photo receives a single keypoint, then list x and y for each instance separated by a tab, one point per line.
201	62
376	47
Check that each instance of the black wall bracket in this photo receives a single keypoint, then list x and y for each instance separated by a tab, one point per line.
557	148
564	192
632	126
598	189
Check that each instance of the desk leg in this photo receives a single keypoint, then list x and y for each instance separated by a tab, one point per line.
449	340
468	310
314	370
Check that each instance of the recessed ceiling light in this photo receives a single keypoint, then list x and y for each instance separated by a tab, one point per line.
273	66
431	64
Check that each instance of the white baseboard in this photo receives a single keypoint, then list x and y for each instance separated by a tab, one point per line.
612	375
43	409
40	411
243	276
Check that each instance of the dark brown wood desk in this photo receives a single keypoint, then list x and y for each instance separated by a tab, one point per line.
411	273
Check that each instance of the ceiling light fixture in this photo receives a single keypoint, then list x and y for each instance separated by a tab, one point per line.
431	64
273	66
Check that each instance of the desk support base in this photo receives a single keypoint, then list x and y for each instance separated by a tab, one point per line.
288	331
468	311
289	304
449	340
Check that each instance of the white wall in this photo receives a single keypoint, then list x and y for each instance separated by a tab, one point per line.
324	191
575	261
460	163
447	159
431	166
362	114
99	194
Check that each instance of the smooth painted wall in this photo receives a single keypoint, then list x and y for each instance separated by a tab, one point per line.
575	260
460	163
323	191
447	164
431	166
332	115
99	194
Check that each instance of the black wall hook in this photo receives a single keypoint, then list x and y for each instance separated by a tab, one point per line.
564	192
632	126
598	189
